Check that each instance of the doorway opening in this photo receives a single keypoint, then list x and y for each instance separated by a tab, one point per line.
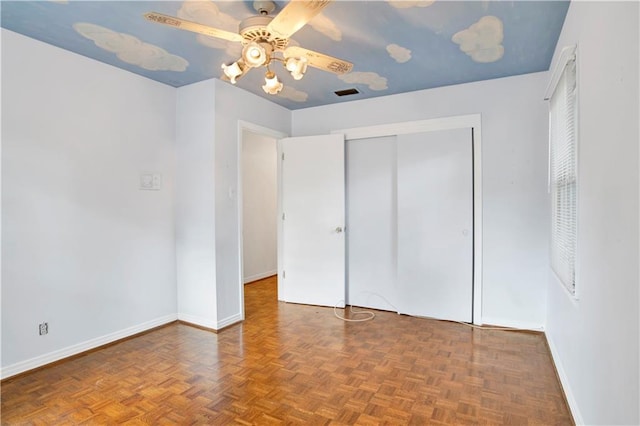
257	203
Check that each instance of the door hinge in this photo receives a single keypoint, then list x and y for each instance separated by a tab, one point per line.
282	216
283	156
284	274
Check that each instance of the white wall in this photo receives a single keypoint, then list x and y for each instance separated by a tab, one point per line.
207	229
514	158
83	248
260	206
195	204
234	104
595	339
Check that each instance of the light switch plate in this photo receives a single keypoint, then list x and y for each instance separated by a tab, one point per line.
151	181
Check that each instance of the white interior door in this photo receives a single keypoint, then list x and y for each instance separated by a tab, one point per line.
435	219
313	206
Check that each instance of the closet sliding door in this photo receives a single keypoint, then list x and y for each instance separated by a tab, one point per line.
435	224
371	223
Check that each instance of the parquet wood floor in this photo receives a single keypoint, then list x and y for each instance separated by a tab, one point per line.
294	364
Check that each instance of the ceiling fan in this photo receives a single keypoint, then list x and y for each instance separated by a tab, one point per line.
265	39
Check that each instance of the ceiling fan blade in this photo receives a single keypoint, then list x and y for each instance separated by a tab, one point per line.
191	26
294	16
319	60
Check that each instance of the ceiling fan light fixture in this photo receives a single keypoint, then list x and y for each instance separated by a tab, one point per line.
271	84
255	54
265	39
297	67
233	71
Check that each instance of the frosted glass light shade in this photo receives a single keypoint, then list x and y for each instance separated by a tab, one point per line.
271	84
254	55
233	71
297	67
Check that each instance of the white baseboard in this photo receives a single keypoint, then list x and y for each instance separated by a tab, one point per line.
229	321
39	361
199	321
564	381
257	277
210	323
501	322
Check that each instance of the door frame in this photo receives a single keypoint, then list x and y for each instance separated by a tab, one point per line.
277	135
473	121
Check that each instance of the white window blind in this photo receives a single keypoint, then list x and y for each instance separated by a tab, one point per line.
563	134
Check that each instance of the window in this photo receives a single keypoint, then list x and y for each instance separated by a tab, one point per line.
562	173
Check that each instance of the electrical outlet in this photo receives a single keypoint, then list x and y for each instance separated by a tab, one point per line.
43	328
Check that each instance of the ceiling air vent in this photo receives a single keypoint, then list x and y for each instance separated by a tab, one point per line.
346	92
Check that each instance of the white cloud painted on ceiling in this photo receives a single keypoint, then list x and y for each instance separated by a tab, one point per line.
372	79
130	49
293	94
482	41
404	4
399	53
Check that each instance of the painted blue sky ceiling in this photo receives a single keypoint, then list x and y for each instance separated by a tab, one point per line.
395	46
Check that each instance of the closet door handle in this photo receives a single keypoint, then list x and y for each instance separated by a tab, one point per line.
338	229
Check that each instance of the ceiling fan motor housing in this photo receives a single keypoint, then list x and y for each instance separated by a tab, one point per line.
255	29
